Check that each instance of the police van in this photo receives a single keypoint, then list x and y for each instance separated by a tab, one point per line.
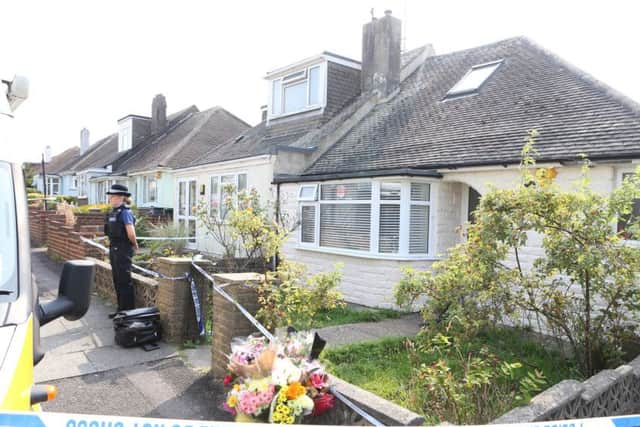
21	314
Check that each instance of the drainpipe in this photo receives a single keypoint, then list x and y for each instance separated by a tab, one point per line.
275	262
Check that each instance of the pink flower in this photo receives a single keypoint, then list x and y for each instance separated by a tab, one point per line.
319	380
229	409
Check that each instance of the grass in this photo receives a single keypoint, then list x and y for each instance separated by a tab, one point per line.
383	367
344	315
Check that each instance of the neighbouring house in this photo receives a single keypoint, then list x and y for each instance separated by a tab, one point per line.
388	184
58	184
305	99
145	150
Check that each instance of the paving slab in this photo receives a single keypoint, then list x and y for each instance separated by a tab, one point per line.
62	366
111	357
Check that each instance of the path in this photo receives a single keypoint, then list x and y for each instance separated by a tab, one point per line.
94	376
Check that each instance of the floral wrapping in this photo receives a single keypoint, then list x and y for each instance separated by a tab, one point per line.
279	382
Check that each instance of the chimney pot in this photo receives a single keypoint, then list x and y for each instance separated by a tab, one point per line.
387	12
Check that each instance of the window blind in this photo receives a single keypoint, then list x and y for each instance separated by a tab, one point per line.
345	226
389	237
419	229
308	224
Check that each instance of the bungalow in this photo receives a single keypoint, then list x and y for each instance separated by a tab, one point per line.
389	183
306	100
145	150
58	184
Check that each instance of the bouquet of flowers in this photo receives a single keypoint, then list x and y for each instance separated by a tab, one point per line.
277	382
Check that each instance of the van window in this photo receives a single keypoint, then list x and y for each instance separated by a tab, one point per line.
8	237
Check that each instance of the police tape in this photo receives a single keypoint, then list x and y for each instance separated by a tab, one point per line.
270	336
51	419
228	297
151	273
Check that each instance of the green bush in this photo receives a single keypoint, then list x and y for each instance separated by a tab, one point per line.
165	247
287	298
89	208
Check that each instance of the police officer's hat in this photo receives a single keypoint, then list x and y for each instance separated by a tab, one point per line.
119	190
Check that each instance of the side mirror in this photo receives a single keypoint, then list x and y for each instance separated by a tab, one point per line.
74	293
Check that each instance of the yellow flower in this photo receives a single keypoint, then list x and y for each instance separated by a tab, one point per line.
233	400
236	387
295	390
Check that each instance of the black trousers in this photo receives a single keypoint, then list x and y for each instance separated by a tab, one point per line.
120	256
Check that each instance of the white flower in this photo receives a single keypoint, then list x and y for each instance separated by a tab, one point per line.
285	372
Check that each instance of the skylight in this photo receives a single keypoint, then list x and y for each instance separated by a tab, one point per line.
474	78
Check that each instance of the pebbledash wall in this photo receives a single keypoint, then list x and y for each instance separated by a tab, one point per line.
370	281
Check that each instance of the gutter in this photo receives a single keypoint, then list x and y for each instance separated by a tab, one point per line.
281	179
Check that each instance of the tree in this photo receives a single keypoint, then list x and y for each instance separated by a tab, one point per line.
583	289
243	227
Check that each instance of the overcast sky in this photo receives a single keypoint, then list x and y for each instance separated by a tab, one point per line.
91	63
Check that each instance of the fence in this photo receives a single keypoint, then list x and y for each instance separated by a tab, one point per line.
608	393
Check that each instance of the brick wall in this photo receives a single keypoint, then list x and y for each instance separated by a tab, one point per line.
64	243
38	225
146	289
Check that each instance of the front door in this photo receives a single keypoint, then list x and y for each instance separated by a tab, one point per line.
187	209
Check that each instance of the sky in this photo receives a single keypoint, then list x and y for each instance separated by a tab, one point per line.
90	63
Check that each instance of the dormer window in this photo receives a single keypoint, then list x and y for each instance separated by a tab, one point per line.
297	91
473	80
125	134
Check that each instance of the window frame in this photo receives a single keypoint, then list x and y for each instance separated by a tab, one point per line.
292	79
51	182
375	202
453	93
145	189
219	180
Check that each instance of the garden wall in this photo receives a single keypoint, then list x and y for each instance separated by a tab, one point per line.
146	289
608	393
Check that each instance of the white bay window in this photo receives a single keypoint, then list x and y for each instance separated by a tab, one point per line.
382	218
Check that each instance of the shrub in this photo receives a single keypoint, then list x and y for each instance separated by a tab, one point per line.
583	289
103	207
166	247
288	297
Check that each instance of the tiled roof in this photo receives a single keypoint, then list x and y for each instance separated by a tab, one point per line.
187	140
532	89
60	162
266	139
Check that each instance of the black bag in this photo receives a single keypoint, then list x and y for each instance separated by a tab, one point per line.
137	327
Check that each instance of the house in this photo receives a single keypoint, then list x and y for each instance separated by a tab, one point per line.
388	184
58	184
306	98
145	150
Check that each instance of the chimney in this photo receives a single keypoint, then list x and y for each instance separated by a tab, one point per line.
84	140
158	114
381	42
47	154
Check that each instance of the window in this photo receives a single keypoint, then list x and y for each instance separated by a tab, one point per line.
308	193
219	188
74	182
474	78
298	91
369	217
124	135
149	189
53	185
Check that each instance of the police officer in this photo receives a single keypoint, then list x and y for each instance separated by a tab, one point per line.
120	227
